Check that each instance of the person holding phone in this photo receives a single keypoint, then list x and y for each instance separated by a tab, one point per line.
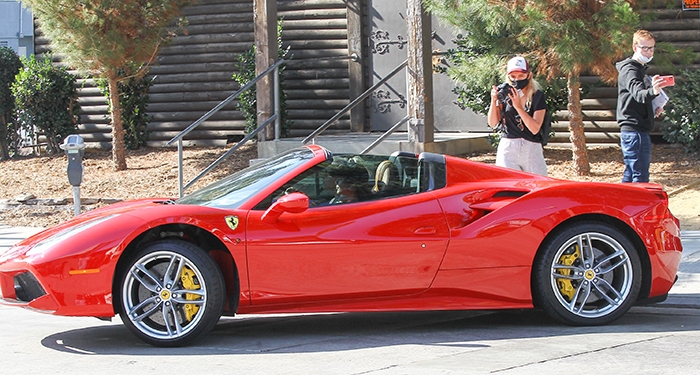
635	112
518	106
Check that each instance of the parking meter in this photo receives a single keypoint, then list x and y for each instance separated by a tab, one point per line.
74	147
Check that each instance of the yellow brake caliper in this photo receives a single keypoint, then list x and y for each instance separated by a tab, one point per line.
188	282
566	287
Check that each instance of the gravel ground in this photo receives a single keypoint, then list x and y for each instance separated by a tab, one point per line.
41	182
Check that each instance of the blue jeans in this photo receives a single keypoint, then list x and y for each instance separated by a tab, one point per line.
636	153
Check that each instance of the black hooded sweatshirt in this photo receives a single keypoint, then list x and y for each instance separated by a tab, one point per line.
634	97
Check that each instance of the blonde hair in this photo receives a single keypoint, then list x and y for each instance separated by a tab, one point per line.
642	35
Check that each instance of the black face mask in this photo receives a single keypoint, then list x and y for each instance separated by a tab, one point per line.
521	84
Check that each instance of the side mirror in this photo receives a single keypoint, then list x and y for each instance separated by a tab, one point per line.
293	202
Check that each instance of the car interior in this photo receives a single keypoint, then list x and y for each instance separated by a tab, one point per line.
359	178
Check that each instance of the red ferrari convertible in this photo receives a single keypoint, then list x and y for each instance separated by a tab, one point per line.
310	231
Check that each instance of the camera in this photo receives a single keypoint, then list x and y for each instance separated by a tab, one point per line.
502	92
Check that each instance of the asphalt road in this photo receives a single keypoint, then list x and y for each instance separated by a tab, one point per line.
662	339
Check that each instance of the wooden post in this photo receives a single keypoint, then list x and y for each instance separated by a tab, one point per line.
265	27
355	65
420	74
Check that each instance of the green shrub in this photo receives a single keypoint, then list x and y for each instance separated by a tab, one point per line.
10	64
46	101
683	111
247	102
133	100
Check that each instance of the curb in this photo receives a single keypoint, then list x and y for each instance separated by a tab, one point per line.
32	201
684	188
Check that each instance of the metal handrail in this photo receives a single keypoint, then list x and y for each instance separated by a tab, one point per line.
353	103
275	117
386	134
225	102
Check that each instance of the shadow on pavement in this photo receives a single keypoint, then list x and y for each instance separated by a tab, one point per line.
352	331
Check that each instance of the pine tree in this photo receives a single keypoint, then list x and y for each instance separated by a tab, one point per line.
562	38
104	37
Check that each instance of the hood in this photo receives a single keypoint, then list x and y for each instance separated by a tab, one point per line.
89	219
620	65
117	209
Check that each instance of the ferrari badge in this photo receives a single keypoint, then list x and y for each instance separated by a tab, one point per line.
232	222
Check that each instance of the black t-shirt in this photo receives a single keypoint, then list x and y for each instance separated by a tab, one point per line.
515	127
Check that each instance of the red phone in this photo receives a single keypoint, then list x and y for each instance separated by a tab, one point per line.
668	80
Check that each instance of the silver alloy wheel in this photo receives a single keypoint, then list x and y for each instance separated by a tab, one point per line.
164	295
591	275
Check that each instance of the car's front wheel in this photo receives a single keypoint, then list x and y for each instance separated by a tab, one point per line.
587	274
171	293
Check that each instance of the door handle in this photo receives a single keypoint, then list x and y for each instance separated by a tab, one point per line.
425	231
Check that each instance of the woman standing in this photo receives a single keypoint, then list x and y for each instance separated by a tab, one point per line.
521	113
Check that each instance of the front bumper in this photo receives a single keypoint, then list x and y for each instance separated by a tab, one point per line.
23	289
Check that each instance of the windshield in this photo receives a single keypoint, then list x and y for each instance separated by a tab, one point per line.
237	188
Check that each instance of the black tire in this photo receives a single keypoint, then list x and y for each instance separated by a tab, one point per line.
587	274
171	292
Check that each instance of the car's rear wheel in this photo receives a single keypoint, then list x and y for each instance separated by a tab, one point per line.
171	293
587	274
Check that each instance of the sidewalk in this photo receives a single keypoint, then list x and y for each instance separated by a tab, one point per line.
685	293
11	235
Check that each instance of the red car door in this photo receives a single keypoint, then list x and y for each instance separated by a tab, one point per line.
386	247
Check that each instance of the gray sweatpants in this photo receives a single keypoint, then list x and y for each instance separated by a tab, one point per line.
521	154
